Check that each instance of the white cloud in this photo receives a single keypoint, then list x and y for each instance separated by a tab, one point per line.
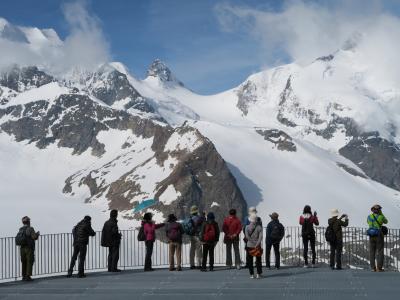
84	47
303	31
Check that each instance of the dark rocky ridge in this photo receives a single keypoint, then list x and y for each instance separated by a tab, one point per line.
189	177
279	138
22	79
376	156
111	86
73	121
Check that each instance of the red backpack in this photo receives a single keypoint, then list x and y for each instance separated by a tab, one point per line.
209	233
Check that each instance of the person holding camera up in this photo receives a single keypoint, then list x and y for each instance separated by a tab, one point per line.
337	243
376	233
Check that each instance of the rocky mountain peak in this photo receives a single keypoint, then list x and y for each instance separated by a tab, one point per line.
160	70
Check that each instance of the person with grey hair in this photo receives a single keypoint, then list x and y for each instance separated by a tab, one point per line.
26	238
254	237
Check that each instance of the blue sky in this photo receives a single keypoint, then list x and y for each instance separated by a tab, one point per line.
186	34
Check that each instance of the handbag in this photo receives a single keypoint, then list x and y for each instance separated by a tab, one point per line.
256	251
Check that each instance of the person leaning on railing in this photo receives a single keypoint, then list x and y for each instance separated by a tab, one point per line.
81	233
376	233
26	238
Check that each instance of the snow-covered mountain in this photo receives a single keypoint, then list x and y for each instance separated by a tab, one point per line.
324	134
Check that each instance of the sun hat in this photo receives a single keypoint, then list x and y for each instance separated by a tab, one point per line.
334	212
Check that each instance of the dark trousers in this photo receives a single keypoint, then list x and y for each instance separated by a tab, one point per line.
149	253
27	259
250	261
376	244
336	253
235	244
208	250
113	257
81	251
310	240
268	247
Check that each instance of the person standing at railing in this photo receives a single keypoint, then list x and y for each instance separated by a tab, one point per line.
232	228
149	228
174	232
376	234
251	211
307	222
209	237
26	238
275	234
192	227
81	233
254	237
337	243
111	238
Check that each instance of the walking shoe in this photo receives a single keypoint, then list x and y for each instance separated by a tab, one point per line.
116	271
192	267
380	270
69	275
259	276
211	269
172	269
179	269
238	267
149	270
373	270
203	270
313	266
305	266
81	275
28	278
252	276
339	268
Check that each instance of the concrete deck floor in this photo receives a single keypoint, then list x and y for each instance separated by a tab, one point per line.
287	283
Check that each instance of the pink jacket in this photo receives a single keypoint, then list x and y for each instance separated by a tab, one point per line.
150	230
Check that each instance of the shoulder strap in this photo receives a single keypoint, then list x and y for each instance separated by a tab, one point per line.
376	220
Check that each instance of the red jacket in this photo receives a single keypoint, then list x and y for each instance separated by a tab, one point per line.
232	228
150	230
313	219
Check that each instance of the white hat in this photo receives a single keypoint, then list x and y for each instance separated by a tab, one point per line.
252	210
334	212
252	218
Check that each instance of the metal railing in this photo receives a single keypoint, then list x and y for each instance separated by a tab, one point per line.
54	251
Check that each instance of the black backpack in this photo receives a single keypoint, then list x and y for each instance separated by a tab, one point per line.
330	235
307	230
21	239
277	233
141	237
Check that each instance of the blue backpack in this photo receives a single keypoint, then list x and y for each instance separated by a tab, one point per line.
188	226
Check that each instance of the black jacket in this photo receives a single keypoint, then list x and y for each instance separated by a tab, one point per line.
337	225
270	227
110	235
81	233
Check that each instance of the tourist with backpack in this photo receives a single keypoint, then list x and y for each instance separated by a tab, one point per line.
25	239
81	233
111	238
376	233
174	232
275	233
192	227
307	222
336	245
232	228
254	237
209	237
149	230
